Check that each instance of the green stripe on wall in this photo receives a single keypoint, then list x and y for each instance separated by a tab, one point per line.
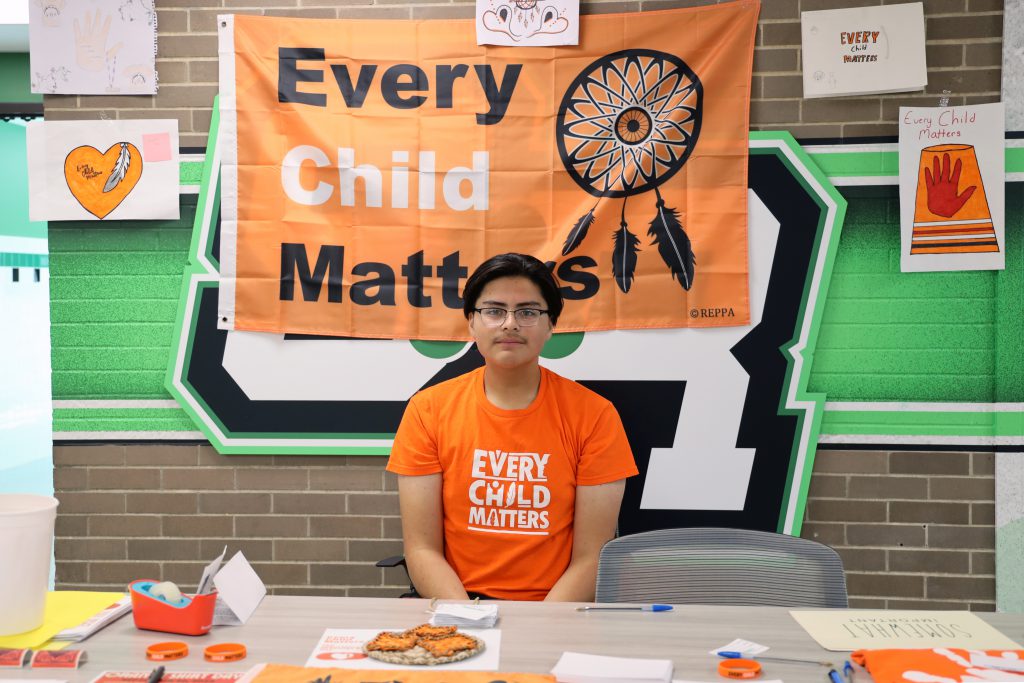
122	420
939	424
886	164
25	260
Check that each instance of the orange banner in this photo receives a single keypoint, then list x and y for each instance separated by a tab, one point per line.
369	166
283	673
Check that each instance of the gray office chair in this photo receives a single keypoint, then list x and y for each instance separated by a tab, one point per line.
711	566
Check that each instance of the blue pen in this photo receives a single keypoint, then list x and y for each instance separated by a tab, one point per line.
834	676
848	671
732	654
622	608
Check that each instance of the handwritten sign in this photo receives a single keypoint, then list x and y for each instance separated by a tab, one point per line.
951	188
856	629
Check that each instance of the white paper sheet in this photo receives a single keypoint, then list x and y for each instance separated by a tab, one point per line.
952	193
576	667
527	23
99	47
239	589
344	648
73	166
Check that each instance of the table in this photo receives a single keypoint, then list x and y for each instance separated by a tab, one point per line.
285	630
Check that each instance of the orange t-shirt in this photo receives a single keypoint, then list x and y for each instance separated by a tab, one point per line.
510	476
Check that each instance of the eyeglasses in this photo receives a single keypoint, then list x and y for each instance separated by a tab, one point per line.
525	317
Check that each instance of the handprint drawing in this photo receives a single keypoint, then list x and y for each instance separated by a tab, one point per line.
91	50
951	212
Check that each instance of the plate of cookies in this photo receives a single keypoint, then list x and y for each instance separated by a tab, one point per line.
424	645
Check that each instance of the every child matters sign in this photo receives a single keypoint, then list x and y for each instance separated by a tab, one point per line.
369	166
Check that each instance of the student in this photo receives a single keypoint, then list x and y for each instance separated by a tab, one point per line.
510	476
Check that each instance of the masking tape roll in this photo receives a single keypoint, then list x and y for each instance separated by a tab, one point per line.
739	668
166	651
224	652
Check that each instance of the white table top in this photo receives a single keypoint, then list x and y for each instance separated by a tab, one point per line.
285	629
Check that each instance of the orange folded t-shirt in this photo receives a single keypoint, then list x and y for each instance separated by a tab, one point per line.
940	665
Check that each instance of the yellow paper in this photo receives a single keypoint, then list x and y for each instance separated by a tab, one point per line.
64	609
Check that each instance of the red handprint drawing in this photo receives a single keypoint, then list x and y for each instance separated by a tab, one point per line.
943	186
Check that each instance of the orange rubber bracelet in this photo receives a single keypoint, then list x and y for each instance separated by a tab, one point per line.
224	652
739	668
161	652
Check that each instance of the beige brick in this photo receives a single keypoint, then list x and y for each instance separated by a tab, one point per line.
962	488
372	551
939	7
209	457
171	21
891	104
885	585
780	9
930	463
347	479
971	26
862	559
827	486
587	8
937	55
198	526
275	479
647	5
303	12
121	573
196	141
815	5
82	115
309	503
88	502
192	3
121	478
162	503
828	510
205	20
323	461
344	575
805	133
283	574
253	549
888	488
851	462
201	46
858	130
271	527
86	455
176	96
393	527
71	572
981	99
201	119
983	514
964	81
89	549
924	604
203	71
985	5
786	33
983	563
390	481
344	526
866	603
374	12
71	525
162	455
70	478
302	550
776	59
376	504
981	606
182	573
220	502
163	549
198	478
929	561
979	537
840	110
119	526
929	512
441	11
774	111
259	3
822	532
886	535
170	71
983	464
961	587
773	87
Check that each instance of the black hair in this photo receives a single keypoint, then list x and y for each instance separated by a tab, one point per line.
514	265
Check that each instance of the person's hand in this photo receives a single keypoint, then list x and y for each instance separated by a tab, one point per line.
943	199
91	51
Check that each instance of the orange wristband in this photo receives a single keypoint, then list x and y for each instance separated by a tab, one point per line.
224	652
161	652
739	668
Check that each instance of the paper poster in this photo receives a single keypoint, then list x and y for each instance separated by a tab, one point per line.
92	47
863	50
281	673
951	188
527	23
103	170
340	647
355	207
1013	63
840	630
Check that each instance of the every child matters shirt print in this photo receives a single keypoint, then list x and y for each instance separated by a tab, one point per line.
510	476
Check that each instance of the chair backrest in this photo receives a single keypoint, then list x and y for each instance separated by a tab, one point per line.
714	566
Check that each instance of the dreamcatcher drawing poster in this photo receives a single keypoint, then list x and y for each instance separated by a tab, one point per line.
527	23
369	166
103	170
952	169
92	47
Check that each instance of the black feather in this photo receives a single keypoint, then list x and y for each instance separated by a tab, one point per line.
673	244
624	257
578	232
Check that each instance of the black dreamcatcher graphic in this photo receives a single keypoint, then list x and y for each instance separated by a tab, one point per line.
626	125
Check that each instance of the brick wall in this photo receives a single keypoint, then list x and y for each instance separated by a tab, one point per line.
964	57
915	530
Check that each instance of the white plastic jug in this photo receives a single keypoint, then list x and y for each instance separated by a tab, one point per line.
26	545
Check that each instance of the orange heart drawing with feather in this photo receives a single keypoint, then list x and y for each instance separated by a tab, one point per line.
101	180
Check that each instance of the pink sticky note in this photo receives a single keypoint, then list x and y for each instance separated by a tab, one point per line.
156	147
